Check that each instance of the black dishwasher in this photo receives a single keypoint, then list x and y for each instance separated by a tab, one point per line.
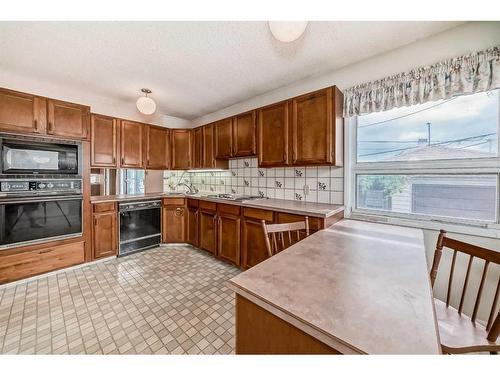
140	226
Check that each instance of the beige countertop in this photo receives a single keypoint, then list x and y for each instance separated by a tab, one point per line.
358	287
295	207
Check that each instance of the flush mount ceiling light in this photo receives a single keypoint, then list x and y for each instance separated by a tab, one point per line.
287	31
145	104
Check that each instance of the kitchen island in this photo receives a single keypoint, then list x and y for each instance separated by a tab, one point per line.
356	287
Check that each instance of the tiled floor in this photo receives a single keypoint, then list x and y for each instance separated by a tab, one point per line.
164	300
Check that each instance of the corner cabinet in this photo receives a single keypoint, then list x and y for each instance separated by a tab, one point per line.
173	220
104	230
103	141
131	144
180	144
68	120
157	147
192	221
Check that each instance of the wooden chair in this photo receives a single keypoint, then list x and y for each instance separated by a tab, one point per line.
278	235
460	333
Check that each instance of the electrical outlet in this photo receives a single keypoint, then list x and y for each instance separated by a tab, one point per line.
306	189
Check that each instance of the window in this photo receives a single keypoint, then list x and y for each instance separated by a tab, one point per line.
433	161
132	181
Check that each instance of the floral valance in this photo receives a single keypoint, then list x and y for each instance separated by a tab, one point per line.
467	74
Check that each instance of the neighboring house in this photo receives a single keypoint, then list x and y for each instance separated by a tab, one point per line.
442	195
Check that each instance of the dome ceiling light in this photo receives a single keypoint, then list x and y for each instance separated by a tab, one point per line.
145	104
287	31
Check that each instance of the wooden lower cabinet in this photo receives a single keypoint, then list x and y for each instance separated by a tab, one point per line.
174	224
192	226
18	264
253	249
104	233
229	233
208	223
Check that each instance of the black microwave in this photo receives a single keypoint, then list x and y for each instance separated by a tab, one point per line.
39	156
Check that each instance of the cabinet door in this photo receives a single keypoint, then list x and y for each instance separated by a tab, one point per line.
207	231
157	140
208	146
68	120
105	234
192	226
254	246
174	224
197	148
312	128
180	148
131	144
22	113
103	141
273	135
228	239
224	139
244	127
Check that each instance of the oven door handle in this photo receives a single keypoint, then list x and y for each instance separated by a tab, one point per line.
41	199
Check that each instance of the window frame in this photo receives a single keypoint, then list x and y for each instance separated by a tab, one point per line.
488	165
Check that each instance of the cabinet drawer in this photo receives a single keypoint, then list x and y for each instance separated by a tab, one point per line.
193	203
230	209
258	214
173	201
208	206
103	207
29	263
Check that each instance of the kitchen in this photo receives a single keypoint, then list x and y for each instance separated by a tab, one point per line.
305	214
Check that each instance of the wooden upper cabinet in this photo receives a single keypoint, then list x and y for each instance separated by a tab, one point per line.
68	120
131	144
157	147
22	113
208	146
244	134
197	148
312	128
103	141
180	148
224	139
273	135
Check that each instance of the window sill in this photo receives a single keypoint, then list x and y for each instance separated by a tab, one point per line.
492	231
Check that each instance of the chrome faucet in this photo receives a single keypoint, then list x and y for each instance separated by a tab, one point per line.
192	190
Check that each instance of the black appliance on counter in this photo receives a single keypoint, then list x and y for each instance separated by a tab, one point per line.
140	226
33	211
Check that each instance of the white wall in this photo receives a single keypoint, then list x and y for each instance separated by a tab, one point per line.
98	103
467	38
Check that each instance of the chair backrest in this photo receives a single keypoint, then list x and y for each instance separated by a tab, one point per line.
489	256
280	236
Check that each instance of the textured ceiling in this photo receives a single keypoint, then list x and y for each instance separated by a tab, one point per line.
193	68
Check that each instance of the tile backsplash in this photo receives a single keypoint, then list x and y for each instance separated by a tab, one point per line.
324	184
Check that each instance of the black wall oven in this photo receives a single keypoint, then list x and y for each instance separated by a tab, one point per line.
22	155
39	211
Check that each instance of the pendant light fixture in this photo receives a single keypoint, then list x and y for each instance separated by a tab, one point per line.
287	31
145	104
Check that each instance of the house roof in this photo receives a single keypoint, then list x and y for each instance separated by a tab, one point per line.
436	152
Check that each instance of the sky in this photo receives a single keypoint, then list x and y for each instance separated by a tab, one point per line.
457	118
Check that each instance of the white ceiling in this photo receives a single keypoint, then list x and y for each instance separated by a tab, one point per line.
193	68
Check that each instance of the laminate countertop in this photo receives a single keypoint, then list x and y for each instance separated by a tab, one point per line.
321	210
358	287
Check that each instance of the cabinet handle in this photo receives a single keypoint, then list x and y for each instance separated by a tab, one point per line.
123	161
50	127
95	221
45	251
114	159
35	124
179	211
